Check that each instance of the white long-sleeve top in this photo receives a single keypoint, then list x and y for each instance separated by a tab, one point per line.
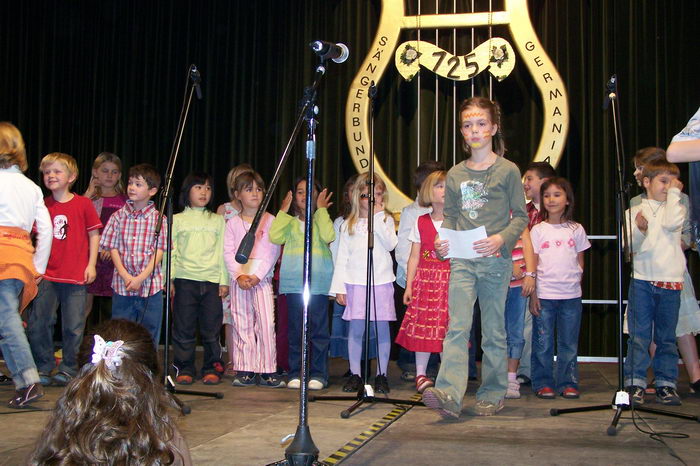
22	206
351	260
657	254
409	215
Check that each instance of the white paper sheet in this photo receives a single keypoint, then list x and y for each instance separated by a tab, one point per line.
462	242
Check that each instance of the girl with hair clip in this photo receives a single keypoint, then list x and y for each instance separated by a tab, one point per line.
350	278
115	412
229	210
253	352
288	229
558	242
200	280
106	191
485	191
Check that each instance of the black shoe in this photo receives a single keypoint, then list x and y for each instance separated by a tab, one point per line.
636	395
353	384
26	395
667	396
695	388
5	380
381	385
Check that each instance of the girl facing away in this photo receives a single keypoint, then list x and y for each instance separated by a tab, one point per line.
427	281
253	354
350	278
115	411
288	229
558	242
106	191
200	280
483	191
229	210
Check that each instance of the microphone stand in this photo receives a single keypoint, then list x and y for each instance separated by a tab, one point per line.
620	400
166	199
365	394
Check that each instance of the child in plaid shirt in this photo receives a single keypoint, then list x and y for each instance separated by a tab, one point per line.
129	236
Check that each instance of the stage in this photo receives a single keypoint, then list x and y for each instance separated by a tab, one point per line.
246	427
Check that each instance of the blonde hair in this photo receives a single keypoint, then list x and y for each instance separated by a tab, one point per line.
361	183
105	157
12	147
67	161
425	194
234	173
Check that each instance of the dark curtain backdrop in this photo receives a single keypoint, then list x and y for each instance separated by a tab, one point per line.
87	76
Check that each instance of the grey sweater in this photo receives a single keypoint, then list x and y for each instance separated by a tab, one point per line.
493	198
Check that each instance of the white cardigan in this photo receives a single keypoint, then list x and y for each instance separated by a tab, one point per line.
351	260
657	254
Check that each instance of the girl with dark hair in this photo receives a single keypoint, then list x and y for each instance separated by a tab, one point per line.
115	411
558	243
200	280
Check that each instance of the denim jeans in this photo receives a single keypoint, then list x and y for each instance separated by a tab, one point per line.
652	310
565	314
319	335
526	356
41	320
145	311
13	341
196	305
515	321
486	278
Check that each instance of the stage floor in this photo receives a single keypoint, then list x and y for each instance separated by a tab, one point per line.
247	425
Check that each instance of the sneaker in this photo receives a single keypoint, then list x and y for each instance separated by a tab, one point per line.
244	379
667	396
513	390
423	382
218	368
436	399
5	380
61	379
294	384
353	384
487	408
408	376
44	379
570	393
636	395
184	379
523	379
26	395
381	384
211	379
315	384
545	393
271	381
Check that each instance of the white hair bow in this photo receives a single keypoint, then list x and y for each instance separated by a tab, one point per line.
110	352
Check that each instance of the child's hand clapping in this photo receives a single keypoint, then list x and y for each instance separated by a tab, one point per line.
323	200
286	202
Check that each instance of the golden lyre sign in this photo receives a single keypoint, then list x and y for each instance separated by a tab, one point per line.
393	20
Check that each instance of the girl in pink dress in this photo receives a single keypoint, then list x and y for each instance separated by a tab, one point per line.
427	279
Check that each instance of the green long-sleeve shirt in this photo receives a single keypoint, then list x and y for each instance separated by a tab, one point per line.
289	231
493	198
198	246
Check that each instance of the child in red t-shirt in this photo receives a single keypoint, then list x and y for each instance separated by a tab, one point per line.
70	269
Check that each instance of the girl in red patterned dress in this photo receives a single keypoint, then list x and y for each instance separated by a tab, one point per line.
427	281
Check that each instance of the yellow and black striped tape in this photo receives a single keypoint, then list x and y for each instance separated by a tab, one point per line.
361	440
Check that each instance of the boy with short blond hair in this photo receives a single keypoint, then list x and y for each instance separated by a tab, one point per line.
130	238
654	231
70	269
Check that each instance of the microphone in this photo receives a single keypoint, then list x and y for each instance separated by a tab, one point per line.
325	50
196	80
246	246
611	86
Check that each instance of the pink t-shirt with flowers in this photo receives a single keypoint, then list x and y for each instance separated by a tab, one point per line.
557	247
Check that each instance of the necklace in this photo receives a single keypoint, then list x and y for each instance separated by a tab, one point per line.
655	211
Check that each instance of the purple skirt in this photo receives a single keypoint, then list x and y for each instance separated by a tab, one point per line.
382	300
